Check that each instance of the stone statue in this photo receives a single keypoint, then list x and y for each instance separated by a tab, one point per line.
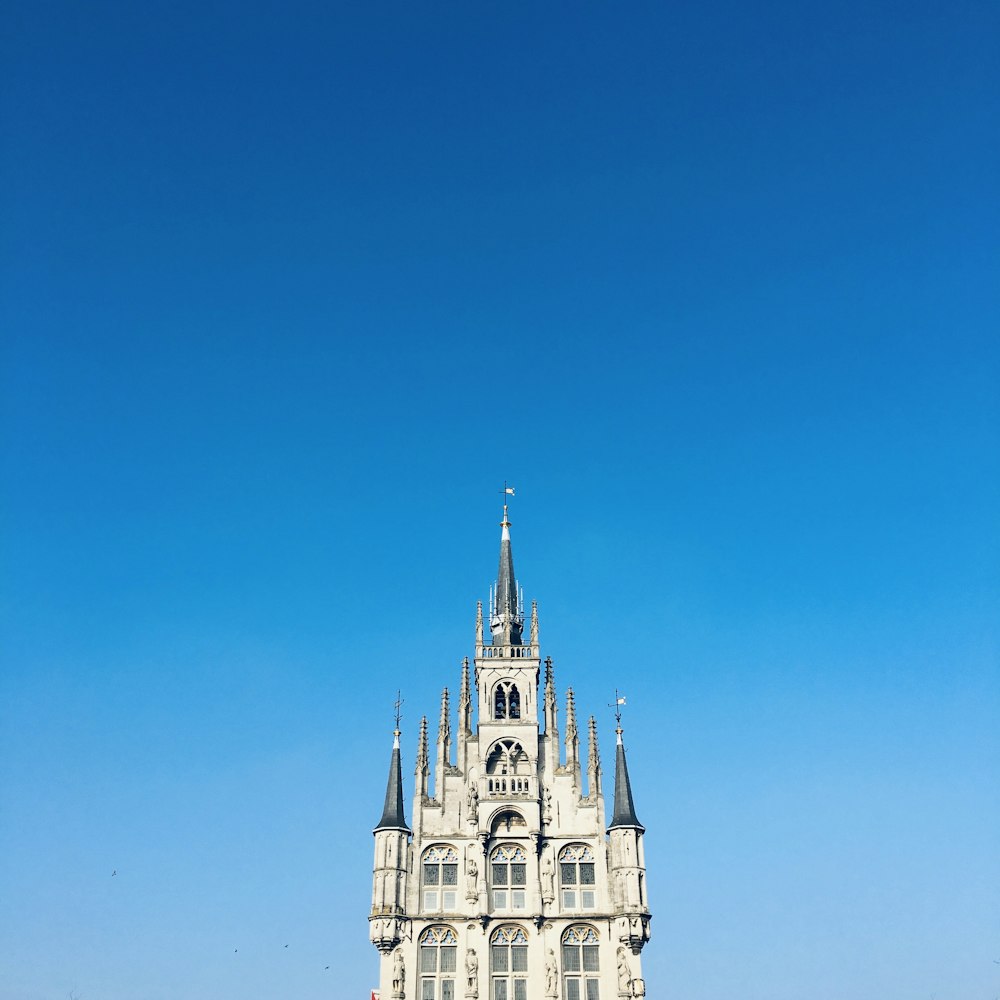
624	975
473	799
471	877
548	880
471	974
398	974
547	806
551	975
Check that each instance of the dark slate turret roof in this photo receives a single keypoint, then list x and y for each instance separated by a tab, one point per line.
506	586
624	814
506	624
392	813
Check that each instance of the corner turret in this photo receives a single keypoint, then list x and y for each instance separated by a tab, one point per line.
387	920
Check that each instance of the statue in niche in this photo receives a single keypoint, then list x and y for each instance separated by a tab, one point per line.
471	878
551	975
398	974
473	801
471	974
548	880
547	806
624	975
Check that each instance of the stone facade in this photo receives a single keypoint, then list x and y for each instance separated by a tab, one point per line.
509	886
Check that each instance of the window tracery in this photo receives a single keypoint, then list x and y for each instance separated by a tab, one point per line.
438	963
577	877
509	877
507	769
581	964
439	874
508	964
506	701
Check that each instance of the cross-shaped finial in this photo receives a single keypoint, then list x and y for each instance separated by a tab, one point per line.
398	704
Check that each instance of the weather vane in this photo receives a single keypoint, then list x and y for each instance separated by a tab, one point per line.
617	706
398	704
507	491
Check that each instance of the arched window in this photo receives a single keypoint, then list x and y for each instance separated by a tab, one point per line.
506	701
576	877
440	879
438	962
581	964
509	822
508	877
509	964
508	769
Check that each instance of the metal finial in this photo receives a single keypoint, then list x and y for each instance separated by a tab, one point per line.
617	706
506	492
397	705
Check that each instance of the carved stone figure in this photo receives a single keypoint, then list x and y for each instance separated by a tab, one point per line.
548	880
473	800
471	879
471	974
624	975
551	975
547	806
398	974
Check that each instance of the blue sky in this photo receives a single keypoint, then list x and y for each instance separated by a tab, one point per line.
288	291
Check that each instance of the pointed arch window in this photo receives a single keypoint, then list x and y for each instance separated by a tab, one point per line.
439	876
508	964
509	877
508	770
438	963
581	964
577	878
506	701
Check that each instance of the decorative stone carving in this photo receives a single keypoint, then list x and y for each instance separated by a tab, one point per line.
387	932
548	880
398	975
472	798
471	974
471	879
551	976
547	806
624	976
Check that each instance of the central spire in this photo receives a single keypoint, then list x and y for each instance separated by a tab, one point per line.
506	616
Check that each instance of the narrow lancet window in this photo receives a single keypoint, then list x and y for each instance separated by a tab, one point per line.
514	701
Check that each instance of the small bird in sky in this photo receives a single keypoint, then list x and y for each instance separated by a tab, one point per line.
328	967
114	873
286	945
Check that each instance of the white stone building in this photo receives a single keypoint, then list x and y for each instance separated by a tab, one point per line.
509	886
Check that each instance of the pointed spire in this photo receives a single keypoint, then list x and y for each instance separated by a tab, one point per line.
571	733
422	760
534	624
506	621
594	756
465	702
392	813
444	724
479	624
624	814
549	703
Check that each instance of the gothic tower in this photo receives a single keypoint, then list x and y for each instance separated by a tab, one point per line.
509	886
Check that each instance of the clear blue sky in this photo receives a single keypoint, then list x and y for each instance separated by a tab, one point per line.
288	290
